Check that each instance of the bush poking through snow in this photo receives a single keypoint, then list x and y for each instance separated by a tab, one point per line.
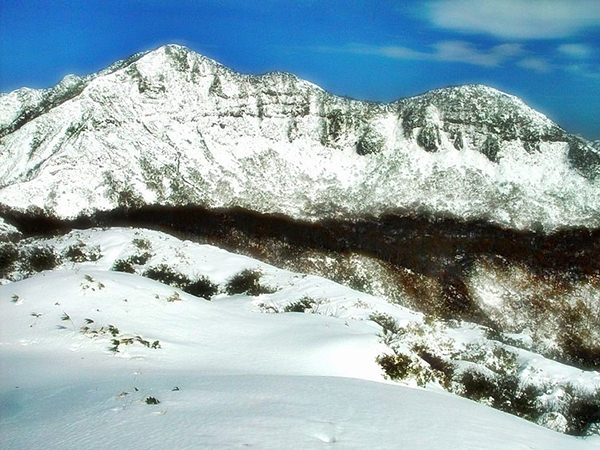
396	366
116	338
167	275
75	253
39	258
247	282
515	398
476	385
140	258
582	412
203	288
8	256
443	369
115	345
142	243
302	305
174	298
80	253
388	323
90	283
123	265
127	265
243	282
152	401
504	392
400	366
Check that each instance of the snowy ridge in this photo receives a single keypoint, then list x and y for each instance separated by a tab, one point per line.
230	372
22	105
173	127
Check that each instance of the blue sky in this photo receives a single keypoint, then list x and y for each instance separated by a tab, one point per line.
545	51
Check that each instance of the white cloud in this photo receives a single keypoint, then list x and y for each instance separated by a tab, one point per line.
585	70
516	19
534	63
575	50
465	52
389	51
449	51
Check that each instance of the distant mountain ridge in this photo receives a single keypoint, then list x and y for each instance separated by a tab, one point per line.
172	127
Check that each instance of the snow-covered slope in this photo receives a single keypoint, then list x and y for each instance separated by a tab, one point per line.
225	373
96	344
173	127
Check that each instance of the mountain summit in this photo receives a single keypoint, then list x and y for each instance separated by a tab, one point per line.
172	127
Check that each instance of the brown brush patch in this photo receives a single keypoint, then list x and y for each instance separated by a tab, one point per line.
425	260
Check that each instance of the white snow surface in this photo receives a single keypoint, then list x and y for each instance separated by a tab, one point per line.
6	229
173	127
226	373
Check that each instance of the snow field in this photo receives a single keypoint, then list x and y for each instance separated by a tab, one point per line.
226	373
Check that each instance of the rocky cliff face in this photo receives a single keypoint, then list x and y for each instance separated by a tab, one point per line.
172	127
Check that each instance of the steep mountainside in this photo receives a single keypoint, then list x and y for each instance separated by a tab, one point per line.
172	127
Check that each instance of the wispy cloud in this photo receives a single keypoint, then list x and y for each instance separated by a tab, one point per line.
586	70
386	51
579	51
449	51
515	19
536	64
502	55
460	51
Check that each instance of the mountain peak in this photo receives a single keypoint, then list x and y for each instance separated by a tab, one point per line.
494	116
172	126
178	56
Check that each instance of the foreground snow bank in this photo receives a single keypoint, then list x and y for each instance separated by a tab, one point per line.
266	412
223	376
86	351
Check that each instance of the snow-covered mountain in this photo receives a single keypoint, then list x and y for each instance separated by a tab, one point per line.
173	127
462	226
